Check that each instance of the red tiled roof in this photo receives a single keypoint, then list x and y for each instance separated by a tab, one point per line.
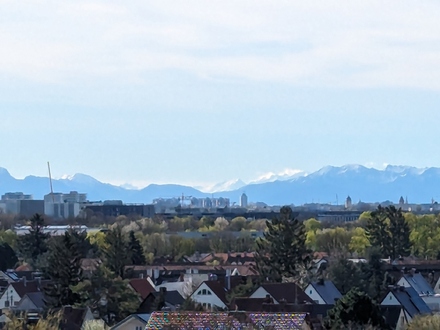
28	286
142	286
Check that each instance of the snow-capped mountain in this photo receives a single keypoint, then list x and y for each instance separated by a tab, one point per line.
327	185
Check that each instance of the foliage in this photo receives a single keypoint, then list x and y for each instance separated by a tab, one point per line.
9	237
8	258
116	252
355	309
359	241
63	269
333	241
388	230
33	244
242	290
191	305
136	252
94	325
51	321
282	250
108	295
345	274
425	322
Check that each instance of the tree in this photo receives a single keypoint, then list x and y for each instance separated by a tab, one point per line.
237	224
359	241
425	322
64	270
33	244
116	251
8	258
108	295
388	230
333	241
282	251
355	310
345	275
375	278
136	252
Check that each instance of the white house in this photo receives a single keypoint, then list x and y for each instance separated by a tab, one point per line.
289	292
423	289
210	294
16	290
323	292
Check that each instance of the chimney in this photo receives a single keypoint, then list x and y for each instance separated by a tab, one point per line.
156	273
24	280
413	271
141	275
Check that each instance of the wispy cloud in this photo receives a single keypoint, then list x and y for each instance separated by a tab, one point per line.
324	43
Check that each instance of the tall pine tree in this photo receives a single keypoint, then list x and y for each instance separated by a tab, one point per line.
388	230
64	271
116	251
282	253
33	244
135	250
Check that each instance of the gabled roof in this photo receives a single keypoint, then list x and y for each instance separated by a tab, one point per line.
411	301
73	318
174	298
327	290
28	286
419	283
37	298
219	287
142	286
290	292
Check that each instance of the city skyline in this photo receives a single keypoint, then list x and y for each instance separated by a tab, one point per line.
200	93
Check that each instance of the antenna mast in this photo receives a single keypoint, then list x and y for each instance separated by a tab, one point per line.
50	180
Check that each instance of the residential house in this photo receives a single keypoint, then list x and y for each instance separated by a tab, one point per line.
75	318
133	322
16	291
32	301
282	292
172	300
394	317
422	287
323	292
143	286
410	301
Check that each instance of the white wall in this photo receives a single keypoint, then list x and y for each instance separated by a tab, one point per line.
262	293
390	300
313	294
10	291
132	324
208	298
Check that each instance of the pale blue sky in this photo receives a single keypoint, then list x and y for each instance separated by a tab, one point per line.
198	92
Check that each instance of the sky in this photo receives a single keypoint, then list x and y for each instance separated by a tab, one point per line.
199	92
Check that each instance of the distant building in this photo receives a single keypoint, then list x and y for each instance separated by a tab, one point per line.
117	208
20	203
59	205
244	200
401	201
348	203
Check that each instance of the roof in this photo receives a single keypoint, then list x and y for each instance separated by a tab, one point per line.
327	290
419	283
172	297
411	301
287	291
231	320
219	287
28	286
73	318
142	317
37	299
142	286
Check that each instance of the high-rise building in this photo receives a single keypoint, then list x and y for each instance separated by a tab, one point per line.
244	200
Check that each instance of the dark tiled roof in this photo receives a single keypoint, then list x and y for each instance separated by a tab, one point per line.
73	318
219	287
411	301
248	304
290	292
172	297
37	299
419	283
327	290
28	286
142	286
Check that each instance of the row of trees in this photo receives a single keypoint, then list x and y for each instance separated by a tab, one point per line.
283	255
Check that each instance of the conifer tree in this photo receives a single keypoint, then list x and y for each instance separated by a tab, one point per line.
116	251
355	310
282	253
8	257
64	270
33	244
135	249
388	230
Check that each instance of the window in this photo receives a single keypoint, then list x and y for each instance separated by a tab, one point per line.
311	291
200	292
209	306
204	292
209	292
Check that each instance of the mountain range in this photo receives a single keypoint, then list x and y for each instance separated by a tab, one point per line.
330	184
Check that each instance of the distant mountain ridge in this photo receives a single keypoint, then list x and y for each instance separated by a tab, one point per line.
330	184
